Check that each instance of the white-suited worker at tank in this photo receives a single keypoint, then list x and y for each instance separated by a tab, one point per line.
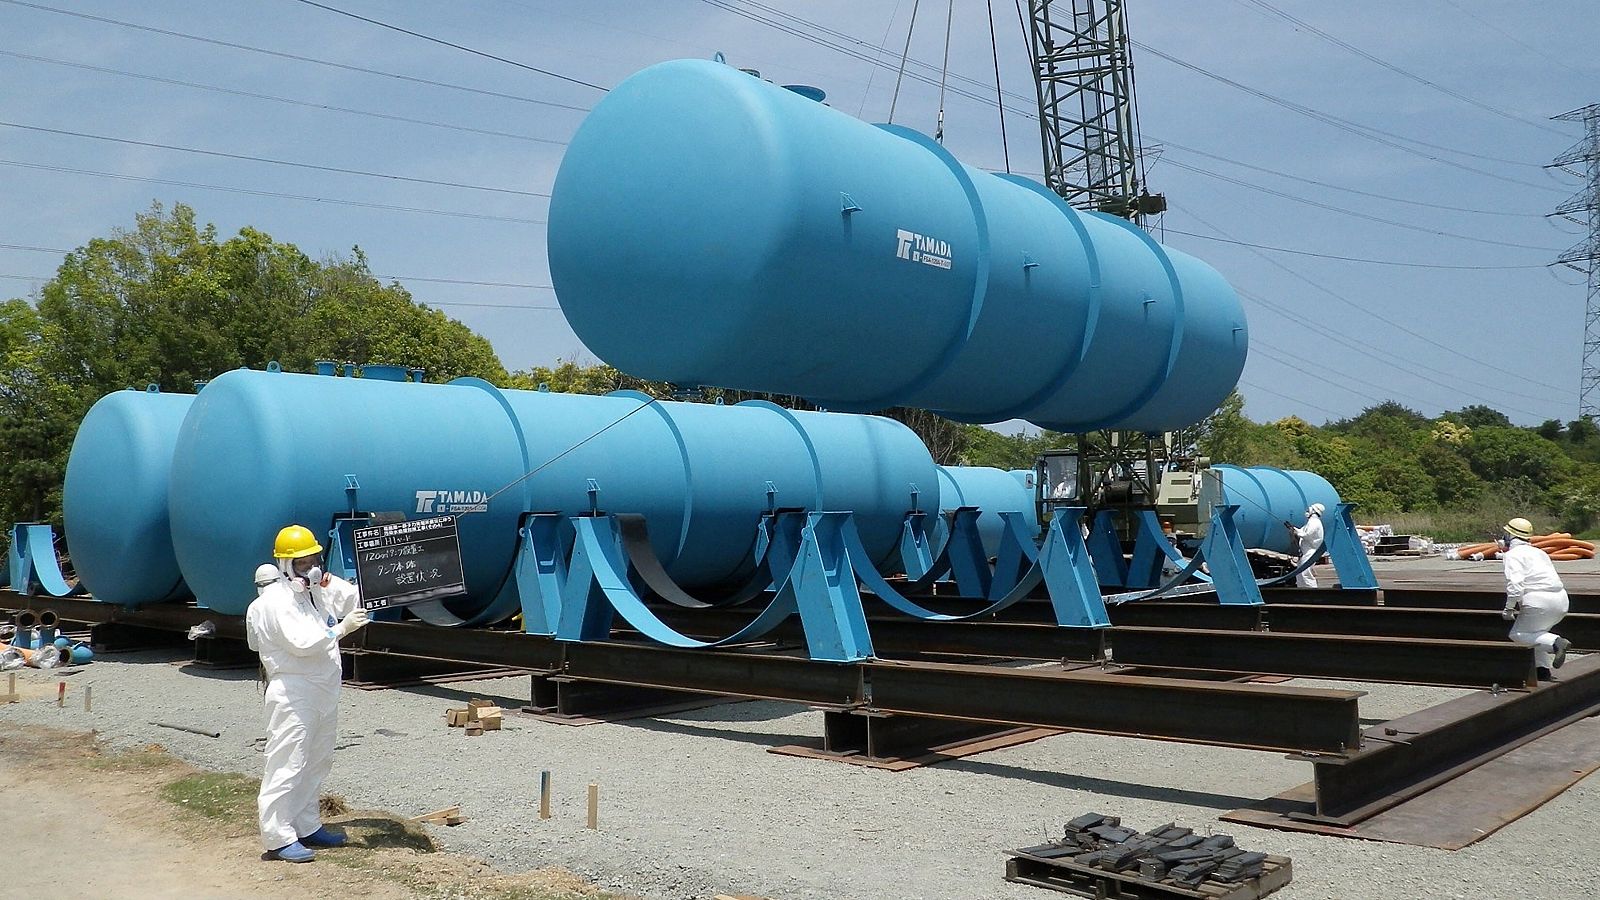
1535	598
295	624
1310	536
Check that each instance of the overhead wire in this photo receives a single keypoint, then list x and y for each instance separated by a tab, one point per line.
1354	213
297	57
462	47
1455	387
1342	124
873	72
257	192
1345	258
1404	73
1282	396
1398	326
286	100
1513	38
269	160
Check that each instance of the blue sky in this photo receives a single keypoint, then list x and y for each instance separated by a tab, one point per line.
1329	337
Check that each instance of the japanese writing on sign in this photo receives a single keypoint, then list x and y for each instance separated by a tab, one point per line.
408	562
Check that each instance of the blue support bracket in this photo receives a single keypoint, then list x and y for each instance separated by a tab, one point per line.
32	563
820	585
916	555
1069	574
1017	555
1105	549
963	548
1343	543
541	572
1224	554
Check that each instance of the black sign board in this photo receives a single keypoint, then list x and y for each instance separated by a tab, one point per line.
408	562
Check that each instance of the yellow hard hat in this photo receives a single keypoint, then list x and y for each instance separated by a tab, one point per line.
1519	527
294	542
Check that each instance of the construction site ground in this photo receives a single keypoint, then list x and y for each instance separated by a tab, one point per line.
691	804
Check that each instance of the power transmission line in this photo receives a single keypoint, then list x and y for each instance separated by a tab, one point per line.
277	162
1281	396
1340	258
1363	131
475	52
288	100
1173	145
1351	212
1319	287
1404	73
256	192
1513	38
296	57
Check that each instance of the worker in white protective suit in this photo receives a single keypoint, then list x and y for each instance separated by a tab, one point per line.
266	574
295	624
1535	598
1310	537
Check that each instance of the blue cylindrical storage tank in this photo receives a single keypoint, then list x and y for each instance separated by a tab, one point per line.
114	498
1267	497
993	491
260	450
772	243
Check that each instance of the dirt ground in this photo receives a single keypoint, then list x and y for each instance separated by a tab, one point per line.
121	825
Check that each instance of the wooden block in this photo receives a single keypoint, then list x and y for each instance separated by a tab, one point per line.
456	718
479	703
475	713
437	814
490	724
594	805
474	729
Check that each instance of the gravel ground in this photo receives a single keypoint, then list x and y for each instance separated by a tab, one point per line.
691	805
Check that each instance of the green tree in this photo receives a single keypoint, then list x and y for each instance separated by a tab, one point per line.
1500	454
1479	416
167	302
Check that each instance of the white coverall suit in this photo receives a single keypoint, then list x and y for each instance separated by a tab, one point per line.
295	632
1310	537
1533	585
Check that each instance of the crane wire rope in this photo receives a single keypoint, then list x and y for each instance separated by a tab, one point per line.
904	55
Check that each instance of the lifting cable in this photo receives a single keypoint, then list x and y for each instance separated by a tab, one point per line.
944	72
904	55
551	461
999	98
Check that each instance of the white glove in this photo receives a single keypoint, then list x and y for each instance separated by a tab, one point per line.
1510	612
356	620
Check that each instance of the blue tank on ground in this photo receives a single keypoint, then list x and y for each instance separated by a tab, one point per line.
262	449
768	242
1267	497
114	498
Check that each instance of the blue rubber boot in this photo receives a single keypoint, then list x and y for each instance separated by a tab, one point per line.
295	853
322	837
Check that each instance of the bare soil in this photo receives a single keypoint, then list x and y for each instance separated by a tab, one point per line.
112	825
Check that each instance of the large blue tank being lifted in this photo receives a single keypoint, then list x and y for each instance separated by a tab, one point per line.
261	449
114	499
1267	497
707	227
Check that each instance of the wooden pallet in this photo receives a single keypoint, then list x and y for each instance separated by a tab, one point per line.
1069	877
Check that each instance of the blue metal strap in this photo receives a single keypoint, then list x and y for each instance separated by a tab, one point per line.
32	561
820	586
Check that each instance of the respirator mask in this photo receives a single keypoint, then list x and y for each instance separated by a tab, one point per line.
307	570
